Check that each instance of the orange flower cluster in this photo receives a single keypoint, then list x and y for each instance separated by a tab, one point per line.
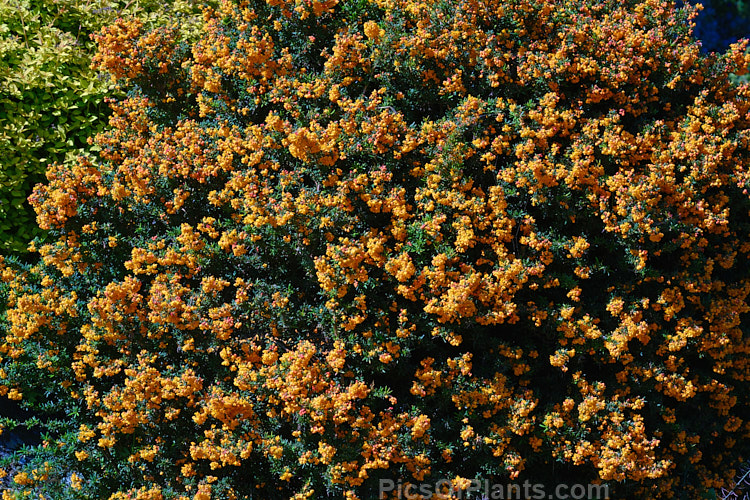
333	242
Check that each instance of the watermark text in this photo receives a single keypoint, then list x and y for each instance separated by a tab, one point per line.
479	489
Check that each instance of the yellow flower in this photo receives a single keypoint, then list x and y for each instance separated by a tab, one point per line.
420	426
23	479
373	31
276	451
75	481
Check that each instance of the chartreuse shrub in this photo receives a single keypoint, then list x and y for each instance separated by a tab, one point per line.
51	100
333	243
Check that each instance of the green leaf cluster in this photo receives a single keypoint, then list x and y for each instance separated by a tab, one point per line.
51	100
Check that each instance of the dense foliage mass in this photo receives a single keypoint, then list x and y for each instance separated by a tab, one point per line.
721	23
51	101
335	242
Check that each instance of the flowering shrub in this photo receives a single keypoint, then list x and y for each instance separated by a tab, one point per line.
336	242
